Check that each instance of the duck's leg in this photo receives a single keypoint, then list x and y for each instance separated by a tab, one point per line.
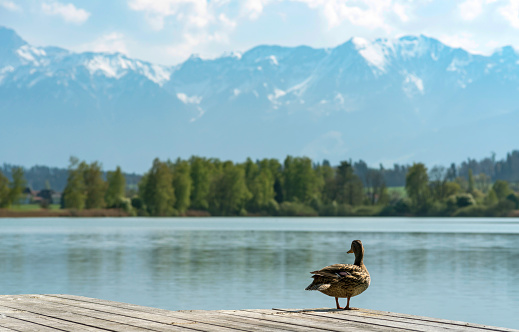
337	303
347	307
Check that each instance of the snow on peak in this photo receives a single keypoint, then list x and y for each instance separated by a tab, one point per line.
157	74
273	60
232	54
506	51
412	84
374	53
117	66
457	65
189	100
4	71
411	47
106	66
31	54
278	93
193	100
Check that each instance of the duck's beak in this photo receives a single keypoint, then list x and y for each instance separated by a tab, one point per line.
350	252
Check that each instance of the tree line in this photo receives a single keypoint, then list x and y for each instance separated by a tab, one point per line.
44	177
296	186
11	190
507	169
86	188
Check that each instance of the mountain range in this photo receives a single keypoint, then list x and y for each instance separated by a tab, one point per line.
411	99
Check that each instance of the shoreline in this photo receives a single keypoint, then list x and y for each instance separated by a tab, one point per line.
101	213
6	213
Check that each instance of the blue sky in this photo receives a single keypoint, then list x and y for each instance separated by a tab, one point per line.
169	31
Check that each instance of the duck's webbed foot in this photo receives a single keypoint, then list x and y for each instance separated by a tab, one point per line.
347	307
337	303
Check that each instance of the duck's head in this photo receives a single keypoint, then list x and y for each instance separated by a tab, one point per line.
357	249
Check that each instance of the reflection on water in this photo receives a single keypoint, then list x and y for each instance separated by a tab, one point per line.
470	276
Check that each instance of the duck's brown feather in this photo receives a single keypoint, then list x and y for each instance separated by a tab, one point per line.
341	280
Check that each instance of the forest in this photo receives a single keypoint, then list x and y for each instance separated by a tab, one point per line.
295	187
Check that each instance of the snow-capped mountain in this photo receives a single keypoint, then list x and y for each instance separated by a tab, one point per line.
403	100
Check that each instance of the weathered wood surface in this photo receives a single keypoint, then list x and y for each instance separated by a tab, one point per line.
76	313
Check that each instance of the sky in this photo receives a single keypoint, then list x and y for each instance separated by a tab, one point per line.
169	31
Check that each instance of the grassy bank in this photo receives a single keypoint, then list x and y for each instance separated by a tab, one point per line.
31	212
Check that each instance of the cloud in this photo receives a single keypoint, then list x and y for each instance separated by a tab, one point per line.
511	13
253	8
198	24
462	40
114	42
11	6
68	12
369	14
191	12
212	27
328	145
470	9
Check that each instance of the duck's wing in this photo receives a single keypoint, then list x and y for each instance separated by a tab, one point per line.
338	271
333	274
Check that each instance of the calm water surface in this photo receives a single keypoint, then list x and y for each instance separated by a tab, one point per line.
460	269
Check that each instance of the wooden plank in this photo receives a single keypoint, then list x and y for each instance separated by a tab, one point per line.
337	315
307	322
208	317
451	325
5	329
76	313
379	317
13	324
56	324
69	314
363	324
131	321
114	310
437	320
358	315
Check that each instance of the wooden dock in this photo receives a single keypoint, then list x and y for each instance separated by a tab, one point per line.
75	313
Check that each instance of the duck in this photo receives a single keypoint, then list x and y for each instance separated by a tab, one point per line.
343	280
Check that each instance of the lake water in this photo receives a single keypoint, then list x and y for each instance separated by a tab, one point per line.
459	269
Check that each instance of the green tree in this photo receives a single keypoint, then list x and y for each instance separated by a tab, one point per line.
260	183
451	188
17	185
156	190
95	186
383	198
4	191
229	192
201	172
438	183
116	187
491	198
501	189
327	173
300	182
416	185
74	194
482	182
471	182
182	184
349	188
376	185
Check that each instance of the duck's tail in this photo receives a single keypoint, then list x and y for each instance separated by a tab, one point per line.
313	286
